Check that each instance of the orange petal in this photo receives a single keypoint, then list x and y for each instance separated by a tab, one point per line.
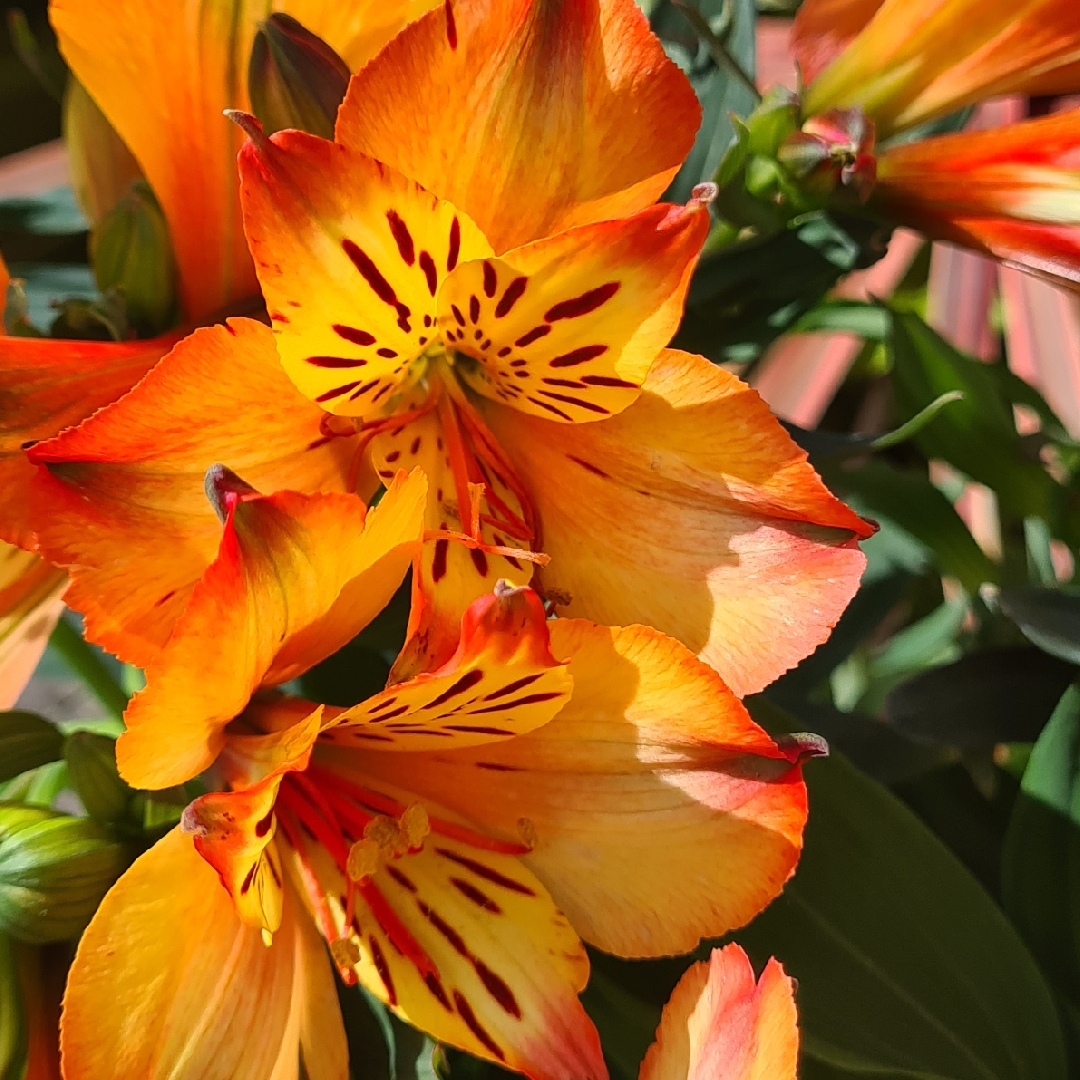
824	28
448	576
46	386
501	682
500	981
531	115
5	280
1012	192
296	577
694	512
122	503
234	830
168	982
350	255
919	59
719	1024
567	328
30	605
163	74
657	811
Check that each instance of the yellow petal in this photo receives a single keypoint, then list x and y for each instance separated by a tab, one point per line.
531	115
501	682
721	1025
350	255
169	983
30	606
659	813
567	328
296	577
694	512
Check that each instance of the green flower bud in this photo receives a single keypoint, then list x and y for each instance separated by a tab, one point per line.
54	870
130	251
295	80
91	762
26	741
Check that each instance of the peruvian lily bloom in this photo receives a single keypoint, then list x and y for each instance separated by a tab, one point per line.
719	1024
1012	192
473	278
453	838
162	71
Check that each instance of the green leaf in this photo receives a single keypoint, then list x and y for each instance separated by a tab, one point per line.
1048	618
986	697
906	968
52	213
977	434
872	321
12	1025
26	741
909	500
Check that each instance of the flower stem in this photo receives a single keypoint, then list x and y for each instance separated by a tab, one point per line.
85	662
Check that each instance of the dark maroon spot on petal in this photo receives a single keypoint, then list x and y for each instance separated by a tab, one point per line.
486	872
513	687
402	879
438	563
393	455
535	334
274	872
474	310
478	335
249	879
466	682
512	295
490	281
172	592
444	928
471	892
427	318
232	329
335	361
523	374
583	304
402	237
589	465
572	383
379	285
393	712
518	363
386	702
354	334
378	958
427	264
504	351
279	317
414	446
528	699
370	736
497	766
262	826
382	392
608	380
320	442
551	409
479	560
389	354
580	402
338	391
479	729
451	25
364	389
293	303
455	240
436	987
497	988
579	356
486	345
457	314
467	1014
387	474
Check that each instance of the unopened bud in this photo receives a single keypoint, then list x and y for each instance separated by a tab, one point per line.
295	80
832	152
91	764
131	251
26	741
54	870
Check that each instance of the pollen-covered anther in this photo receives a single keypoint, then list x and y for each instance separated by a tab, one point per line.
415	825
345	951
386	838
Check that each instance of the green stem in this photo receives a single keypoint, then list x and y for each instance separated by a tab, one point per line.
717	49
86	663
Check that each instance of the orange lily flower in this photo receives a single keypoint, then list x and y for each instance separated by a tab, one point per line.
163	72
453	838
904	62
1012	192
721	1025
